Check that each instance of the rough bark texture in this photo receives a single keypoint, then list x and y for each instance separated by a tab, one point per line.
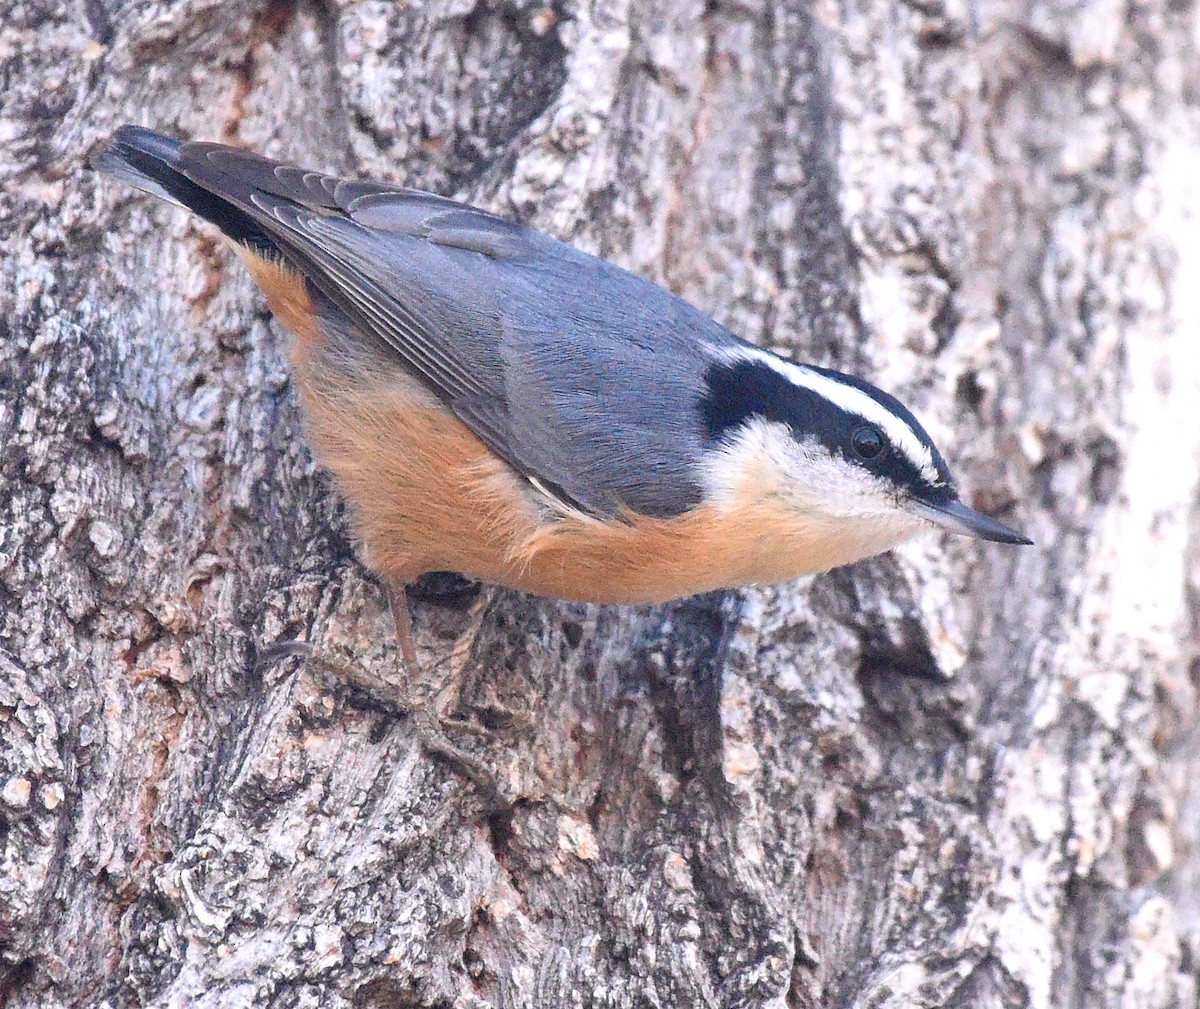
953	776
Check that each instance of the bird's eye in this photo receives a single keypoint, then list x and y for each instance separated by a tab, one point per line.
867	442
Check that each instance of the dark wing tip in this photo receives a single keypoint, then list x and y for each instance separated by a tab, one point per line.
131	145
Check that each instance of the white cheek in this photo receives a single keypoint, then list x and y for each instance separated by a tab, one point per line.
823	483
764	461
755	456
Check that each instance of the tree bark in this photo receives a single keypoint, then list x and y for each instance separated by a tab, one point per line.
957	775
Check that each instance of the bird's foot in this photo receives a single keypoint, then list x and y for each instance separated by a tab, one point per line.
433	729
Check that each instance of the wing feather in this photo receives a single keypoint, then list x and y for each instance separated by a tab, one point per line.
581	376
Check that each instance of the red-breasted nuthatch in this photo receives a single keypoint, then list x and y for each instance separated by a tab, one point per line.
495	403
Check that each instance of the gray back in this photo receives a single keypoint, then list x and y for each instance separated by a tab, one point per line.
577	373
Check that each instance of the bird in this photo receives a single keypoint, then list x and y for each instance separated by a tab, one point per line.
498	404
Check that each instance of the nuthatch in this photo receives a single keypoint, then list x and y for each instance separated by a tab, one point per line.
495	403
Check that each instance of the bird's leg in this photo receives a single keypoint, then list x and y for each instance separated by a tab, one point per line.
430	725
397	596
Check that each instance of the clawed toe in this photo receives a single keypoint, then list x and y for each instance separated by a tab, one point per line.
432	729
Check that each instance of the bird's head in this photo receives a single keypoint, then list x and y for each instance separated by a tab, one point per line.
841	463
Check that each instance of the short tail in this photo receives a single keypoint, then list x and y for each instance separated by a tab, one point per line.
152	163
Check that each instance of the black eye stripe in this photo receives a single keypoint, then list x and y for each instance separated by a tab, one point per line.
737	392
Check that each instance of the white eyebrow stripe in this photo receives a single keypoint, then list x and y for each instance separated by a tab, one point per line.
847	398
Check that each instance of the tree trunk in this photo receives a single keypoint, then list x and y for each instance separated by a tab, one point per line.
956	775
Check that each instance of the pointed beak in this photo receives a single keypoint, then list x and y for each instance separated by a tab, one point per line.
958	518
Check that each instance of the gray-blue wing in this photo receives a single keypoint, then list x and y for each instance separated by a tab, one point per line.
580	375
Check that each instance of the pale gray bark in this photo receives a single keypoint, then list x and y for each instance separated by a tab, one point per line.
954	776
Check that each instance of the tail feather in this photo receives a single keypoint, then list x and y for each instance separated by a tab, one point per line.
140	158
150	162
